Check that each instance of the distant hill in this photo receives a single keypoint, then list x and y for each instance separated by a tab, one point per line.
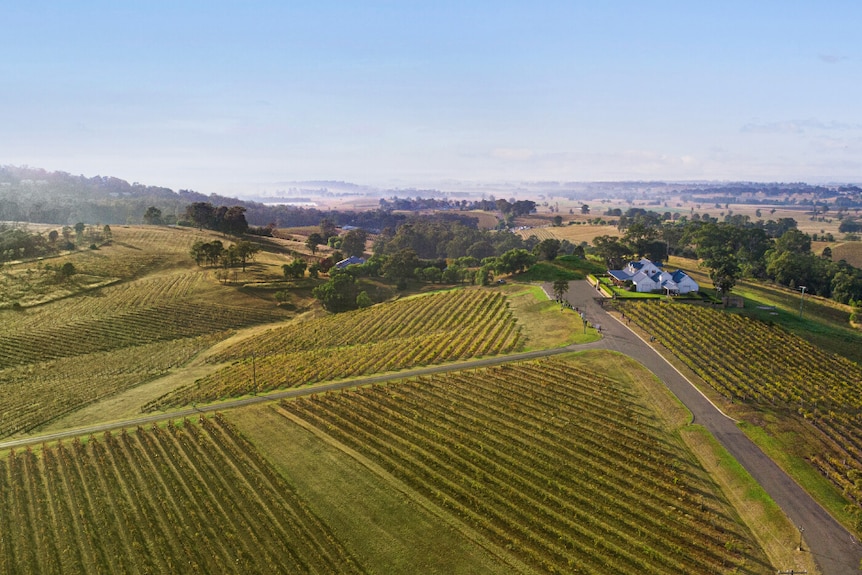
36	195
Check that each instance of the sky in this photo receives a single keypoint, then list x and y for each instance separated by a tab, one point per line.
237	96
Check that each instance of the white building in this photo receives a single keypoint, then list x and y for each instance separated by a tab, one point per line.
648	277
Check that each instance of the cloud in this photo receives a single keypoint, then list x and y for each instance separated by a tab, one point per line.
797	126
831	58
772	128
512	154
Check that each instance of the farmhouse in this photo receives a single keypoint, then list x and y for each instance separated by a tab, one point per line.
349	262
648	276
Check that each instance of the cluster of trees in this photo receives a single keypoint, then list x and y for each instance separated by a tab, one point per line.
18	243
228	220
512	207
36	195
732	249
214	253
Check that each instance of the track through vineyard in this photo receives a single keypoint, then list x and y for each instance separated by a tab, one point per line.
436	328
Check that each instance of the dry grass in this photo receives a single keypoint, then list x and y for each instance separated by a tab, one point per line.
851	252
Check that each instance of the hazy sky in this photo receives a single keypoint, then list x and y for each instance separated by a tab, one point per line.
207	95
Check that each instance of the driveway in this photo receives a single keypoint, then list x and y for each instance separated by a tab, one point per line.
835	550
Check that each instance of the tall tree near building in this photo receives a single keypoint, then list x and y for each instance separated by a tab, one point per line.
353	243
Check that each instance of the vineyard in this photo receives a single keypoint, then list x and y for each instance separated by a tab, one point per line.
190	498
425	330
560	466
65	354
38	393
767	367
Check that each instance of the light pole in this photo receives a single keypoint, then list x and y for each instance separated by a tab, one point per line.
802	300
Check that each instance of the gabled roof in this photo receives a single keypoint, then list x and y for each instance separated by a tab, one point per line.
620	275
349	262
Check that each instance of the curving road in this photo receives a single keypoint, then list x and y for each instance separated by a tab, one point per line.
833	547
835	550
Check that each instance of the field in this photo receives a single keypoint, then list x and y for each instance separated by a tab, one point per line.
429	329
849	251
189	498
574	233
553	465
60	352
824	323
537	467
781	382
502	468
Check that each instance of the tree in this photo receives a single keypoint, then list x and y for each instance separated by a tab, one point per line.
558	221
401	264
716	247
560	288
295	269
198	252
314	240
327	229
52	236
363	300
353	243
79	228
515	261
585	209
246	252
612	250
547	249
480	250
724	274
339	293
233	221
215	249
153	216
202	214
483	275
67	270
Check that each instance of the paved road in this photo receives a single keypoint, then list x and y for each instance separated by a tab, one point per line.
833	547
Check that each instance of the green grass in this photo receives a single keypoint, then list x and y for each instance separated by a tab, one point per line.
781	448
548	272
388	530
564	267
542	321
624	293
824	323
775	532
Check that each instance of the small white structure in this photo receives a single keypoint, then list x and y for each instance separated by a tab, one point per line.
352	260
649	277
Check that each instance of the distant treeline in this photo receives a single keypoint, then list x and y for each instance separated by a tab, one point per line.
774	193
512	208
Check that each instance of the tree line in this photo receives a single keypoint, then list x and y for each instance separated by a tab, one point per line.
774	250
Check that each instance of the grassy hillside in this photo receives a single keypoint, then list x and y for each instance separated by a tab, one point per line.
70	345
823	322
